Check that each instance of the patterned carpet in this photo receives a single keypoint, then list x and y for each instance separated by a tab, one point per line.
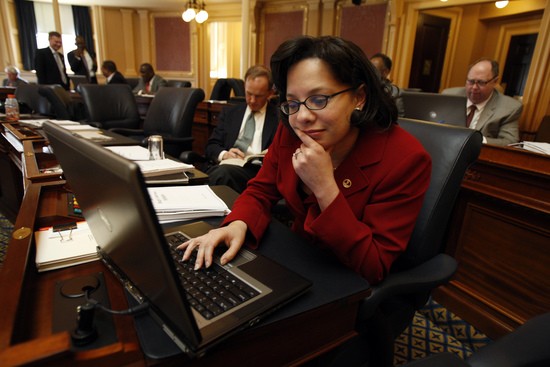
434	329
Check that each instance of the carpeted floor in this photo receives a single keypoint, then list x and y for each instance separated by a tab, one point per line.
434	329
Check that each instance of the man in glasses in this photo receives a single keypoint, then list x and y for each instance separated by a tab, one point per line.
243	130
488	110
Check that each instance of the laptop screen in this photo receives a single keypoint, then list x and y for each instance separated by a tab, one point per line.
434	107
116	205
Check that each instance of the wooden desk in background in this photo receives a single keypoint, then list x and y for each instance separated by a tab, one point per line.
309	326
206	119
500	235
4	91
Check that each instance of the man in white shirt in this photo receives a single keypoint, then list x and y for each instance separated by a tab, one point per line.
83	61
229	139
493	113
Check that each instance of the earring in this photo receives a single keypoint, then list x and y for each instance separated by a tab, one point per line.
357	109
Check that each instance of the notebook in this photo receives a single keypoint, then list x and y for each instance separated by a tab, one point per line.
434	107
111	192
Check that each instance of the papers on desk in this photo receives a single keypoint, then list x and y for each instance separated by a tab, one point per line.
61	247
177	203
40	122
532	146
150	168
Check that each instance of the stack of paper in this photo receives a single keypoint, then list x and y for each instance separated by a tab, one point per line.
61	248
177	203
150	168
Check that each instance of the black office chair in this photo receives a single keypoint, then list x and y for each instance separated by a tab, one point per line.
171	115
223	87
178	83
30	101
63	106
527	346
391	305
132	82
109	106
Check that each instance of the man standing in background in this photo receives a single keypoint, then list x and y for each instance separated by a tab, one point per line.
83	61
50	64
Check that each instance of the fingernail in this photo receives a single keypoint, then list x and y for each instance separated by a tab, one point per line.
197	267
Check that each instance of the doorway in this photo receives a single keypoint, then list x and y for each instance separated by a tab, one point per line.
430	45
517	64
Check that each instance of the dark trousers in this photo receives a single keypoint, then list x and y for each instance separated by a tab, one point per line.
233	176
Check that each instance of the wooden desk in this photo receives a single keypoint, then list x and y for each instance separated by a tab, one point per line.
309	326
4	91
501	238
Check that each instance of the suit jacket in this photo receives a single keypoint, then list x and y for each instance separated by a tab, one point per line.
46	68
227	130
499	119
382	184
17	82
157	82
78	67
118	78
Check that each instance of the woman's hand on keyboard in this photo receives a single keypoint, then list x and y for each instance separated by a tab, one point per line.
232	235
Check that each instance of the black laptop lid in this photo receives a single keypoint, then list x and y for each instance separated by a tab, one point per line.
109	188
434	107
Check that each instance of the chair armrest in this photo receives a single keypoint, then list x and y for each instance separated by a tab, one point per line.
127	132
525	346
99	125
192	157
424	277
173	140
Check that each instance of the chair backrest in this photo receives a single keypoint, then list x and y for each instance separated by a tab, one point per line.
178	83
171	113
452	150
132	82
27	94
112	105
223	87
59	99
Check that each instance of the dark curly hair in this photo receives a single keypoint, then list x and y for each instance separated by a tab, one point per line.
349	65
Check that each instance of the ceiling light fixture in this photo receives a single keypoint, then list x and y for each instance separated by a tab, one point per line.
195	11
501	4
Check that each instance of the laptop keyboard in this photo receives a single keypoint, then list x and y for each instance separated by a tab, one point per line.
210	291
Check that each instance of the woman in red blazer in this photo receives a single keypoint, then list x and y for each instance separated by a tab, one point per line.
352	178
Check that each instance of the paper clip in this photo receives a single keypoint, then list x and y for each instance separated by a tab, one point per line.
65	227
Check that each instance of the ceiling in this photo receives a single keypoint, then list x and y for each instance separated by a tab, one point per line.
148	4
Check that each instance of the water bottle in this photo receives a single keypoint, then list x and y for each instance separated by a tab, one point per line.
12	108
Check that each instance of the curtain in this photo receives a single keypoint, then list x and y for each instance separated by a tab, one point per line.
83	25
26	23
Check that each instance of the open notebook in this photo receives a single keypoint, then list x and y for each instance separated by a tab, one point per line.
116	205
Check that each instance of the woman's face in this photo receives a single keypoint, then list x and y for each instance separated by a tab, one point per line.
329	126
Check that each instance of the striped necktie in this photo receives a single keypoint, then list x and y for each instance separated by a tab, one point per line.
248	133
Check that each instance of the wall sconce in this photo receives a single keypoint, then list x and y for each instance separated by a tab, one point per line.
195	11
501	4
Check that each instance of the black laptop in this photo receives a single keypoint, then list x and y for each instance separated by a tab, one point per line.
435	107
115	202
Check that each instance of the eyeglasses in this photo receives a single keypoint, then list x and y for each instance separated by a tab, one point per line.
313	103
480	83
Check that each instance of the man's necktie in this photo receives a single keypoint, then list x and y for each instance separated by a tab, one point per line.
85	62
147	87
248	134
59	62
470	115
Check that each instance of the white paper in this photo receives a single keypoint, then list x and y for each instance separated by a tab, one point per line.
131	152
161	167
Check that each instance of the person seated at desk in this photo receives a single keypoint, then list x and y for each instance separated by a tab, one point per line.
353	179
13	79
149	83
384	64
488	110
243	130
111	74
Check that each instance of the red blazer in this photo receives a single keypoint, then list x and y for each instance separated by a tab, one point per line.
382	184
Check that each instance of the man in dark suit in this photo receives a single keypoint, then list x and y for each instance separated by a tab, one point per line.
83	61
493	113
50	64
111	74
149	83
227	138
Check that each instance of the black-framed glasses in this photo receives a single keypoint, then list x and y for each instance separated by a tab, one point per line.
480	83
314	102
